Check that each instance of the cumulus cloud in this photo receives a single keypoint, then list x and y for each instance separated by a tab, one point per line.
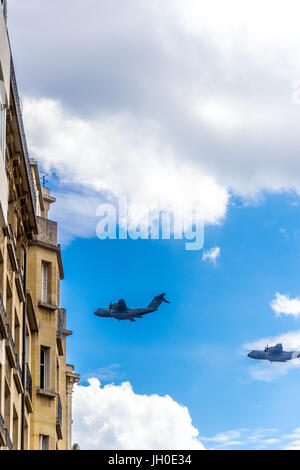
284	305
211	255
115	417
243	439
164	100
264	370
225	439
294	445
295	440
290	340
118	156
108	373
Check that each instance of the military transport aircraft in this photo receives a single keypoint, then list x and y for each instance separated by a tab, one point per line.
120	311
274	354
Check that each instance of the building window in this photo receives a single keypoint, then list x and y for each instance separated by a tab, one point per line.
45	282
44	442
44	368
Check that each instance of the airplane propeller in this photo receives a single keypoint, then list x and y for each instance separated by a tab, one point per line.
266	350
110	308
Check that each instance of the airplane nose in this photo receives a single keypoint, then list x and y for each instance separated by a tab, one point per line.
250	354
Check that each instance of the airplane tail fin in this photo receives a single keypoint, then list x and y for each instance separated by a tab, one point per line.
157	301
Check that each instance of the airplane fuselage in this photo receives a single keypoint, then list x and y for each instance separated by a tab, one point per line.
120	311
282	356
128	314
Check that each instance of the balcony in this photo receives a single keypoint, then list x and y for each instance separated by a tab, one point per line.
10	347
3	320
31	315
8	442
59	333
18	376
47	232
59	418
28	389
2	431
12	251
20	284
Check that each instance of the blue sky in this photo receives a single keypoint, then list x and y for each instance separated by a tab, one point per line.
193	348
169	104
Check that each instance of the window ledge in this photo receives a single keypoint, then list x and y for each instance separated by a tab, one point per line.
46	393
47	306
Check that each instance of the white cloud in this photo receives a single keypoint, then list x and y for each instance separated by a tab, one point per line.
295	443
75	213
290	341
243	439
117	156
295	434
284	305
175	103
108	373
267	372
225	439
115	417
211	255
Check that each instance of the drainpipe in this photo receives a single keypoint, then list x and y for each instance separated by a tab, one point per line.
24	352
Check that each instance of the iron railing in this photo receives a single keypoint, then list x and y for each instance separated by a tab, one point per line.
28	381
2	423
10	338
12	239
9	444
18	367
11	236
2	310
59	324
59	410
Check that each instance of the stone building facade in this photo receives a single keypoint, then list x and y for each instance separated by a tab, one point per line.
36	383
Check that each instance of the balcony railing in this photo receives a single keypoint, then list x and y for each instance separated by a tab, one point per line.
13	242
2	423
59	410
2	310
59	333
12	239
59	324
18	367
9	444
59	419
28	381
10	338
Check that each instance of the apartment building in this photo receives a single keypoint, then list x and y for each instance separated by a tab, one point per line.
36	383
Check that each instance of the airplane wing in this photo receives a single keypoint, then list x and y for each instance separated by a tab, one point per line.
122	306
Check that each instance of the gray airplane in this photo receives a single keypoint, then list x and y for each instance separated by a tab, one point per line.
120	311
274	354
